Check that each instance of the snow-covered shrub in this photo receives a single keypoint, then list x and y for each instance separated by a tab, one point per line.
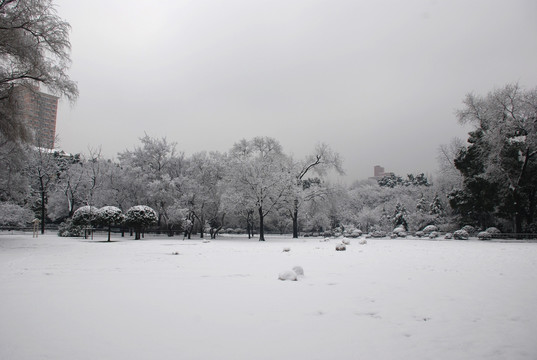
448	236
493	230
393	236
288	275
363	242
341	247
139	217
298	270
419	234
345	241
68	229
352	232
434	234
399	231
469	229
461	235
484	235
327	233
429	229
378	234
286	249
85	215
14	215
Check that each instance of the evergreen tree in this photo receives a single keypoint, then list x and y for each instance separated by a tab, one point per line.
436	207
499	165
399	216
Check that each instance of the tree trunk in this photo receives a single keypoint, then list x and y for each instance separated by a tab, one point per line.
294	216
261	226
109	229
42	211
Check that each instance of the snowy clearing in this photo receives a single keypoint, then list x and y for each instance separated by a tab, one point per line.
165	298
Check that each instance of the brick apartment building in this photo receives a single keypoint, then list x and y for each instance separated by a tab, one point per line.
379	172
38	111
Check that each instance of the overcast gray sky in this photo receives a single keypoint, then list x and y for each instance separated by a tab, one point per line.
379	81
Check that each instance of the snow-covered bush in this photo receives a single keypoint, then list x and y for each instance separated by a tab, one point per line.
469	229
68	229
429	229
352	232
493	230
378	234
85	215
14	215
434	234
461	235
140	217
484	235
448	236
399	231
419	234
286	249
288	275
345	241
363	242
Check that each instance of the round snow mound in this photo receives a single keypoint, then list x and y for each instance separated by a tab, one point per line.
340	247
345	241
298	270
288	275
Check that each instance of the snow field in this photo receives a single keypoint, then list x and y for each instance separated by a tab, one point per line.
67	298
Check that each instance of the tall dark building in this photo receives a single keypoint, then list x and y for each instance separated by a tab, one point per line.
38	111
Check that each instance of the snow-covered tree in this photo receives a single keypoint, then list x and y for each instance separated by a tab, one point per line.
42	169
203	190
421	206
108	216
261	173
322	160
85	216
436	207
500	163
140	217
399	216
153	173
14	184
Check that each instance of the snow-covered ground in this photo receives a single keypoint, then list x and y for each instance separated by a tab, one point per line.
70	298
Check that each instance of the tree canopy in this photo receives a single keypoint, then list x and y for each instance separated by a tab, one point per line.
499	166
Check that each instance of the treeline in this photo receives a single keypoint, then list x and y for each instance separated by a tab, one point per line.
487	181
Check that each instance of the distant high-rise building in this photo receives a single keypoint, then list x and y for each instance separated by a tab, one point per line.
39	110
379	172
